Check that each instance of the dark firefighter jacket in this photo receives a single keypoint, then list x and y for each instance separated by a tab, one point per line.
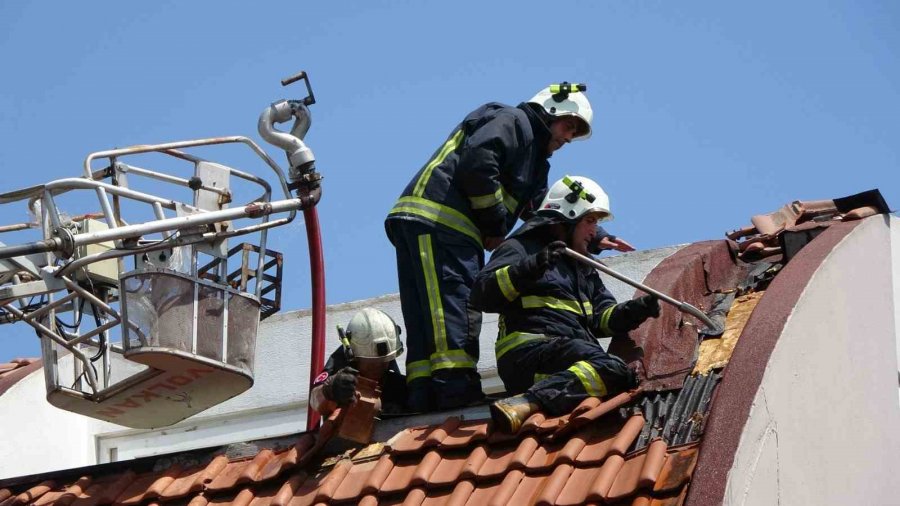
489	172
569	300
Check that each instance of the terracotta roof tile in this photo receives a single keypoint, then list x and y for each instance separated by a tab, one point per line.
252	471
188	482
352	485
507	488
543	458
466	433
229	476
656	458
461	493
415	497
105	491
329	484
528	489
578	486
411	440
481	495
477	458
400	476
448	470
628	478
605	478
379	475
286	492
497	461
440	433
555	484
426	468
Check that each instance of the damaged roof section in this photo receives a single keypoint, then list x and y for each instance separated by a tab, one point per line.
787	230
664	349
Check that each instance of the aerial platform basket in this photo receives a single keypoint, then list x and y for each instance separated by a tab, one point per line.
146	314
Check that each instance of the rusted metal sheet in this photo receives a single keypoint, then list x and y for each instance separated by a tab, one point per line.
664	349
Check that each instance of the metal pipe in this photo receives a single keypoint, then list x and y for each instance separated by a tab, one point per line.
45	246
159	176
171	243
194	220
317	267
684	307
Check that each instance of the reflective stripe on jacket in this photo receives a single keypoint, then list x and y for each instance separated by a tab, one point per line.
489	172
569	300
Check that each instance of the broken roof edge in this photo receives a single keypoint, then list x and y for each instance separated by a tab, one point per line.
744	373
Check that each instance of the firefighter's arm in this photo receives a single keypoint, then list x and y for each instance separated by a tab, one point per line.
612	318
510	273
483	155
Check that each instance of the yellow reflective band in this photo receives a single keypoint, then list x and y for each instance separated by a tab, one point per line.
437	213
509	202
514	340
426	254
448	147
506	286
451	359
537	302
573	88
589	378
604	320
485	201
418	369
540	377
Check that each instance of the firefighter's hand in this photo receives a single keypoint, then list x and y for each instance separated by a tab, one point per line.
630	315
547	257
341	387
491	242
607	242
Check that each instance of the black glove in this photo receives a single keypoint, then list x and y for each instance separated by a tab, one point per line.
537	264
632	380
630	315
341	387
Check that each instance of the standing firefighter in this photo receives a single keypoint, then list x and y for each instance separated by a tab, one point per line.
490	171
369	348
552	310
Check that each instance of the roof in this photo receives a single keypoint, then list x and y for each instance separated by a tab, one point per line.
13	371
579	457
668	443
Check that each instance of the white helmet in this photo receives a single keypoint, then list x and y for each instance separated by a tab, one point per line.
567	100
575	196
372	334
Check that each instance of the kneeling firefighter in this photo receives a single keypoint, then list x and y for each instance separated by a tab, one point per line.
552	309
369	348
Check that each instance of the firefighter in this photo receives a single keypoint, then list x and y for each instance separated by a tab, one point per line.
487	174
369	348
552	309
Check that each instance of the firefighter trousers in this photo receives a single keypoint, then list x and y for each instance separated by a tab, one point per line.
560	372
436	269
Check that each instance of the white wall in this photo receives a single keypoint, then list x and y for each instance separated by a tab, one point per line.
823	428
274	406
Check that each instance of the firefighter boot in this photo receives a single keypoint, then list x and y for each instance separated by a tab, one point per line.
510	413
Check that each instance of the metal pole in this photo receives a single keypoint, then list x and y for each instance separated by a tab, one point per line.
684	307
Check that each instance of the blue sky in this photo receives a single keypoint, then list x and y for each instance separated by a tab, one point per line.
705	112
